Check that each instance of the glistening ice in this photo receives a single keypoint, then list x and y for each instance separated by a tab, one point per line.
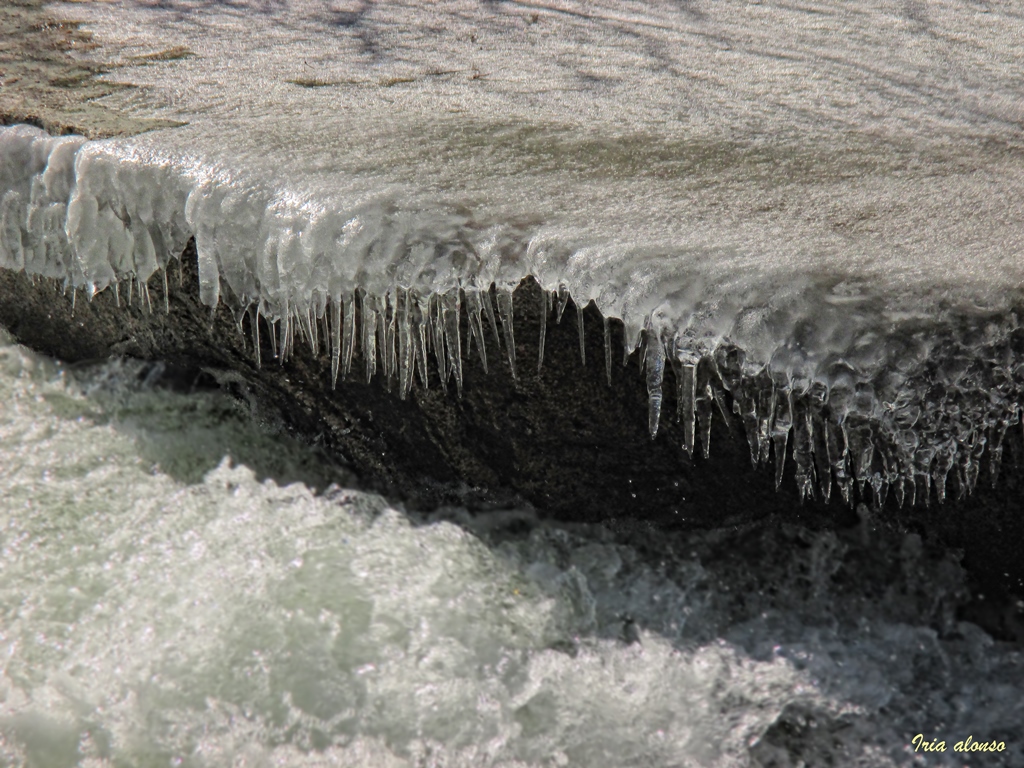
814	210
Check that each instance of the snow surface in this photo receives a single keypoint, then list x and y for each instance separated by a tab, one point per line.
805	182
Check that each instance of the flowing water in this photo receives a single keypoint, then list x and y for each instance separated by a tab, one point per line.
175	592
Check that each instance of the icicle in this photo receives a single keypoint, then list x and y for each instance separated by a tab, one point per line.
686	395
348	335
835	440
167	294
973	465
655	378
718	390
239	322
254	321
563	299
819	447
273	339
74	298
923	473
368	316
505	312
292	326
382	341
335	338
608	350
117	293
406	348
300	329
287	334
451	312
862	453
945	457
485	299
144	299
766	397
391	335
437	331
311	329
130	285
422	318
474	309
703	406
802	452
780	430
995	452
906	447
746	404
545	307
961	477
308	330
583	338
390	352
881	490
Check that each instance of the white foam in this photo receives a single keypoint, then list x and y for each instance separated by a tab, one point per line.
162	605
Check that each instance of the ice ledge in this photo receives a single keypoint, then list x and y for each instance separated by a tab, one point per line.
864	398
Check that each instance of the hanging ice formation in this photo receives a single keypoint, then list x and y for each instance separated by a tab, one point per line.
915	414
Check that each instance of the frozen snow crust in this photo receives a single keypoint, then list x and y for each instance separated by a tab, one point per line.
808	215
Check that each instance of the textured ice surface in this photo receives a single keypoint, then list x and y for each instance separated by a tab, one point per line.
151	614
829	190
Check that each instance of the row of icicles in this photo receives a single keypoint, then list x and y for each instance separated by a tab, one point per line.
396	334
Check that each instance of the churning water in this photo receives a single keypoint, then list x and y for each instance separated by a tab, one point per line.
161	603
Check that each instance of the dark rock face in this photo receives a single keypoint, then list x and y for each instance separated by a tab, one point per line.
561	439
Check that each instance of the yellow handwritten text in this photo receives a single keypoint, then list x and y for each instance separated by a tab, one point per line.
970	745
921	744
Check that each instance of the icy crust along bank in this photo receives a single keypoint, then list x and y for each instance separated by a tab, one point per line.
860	392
